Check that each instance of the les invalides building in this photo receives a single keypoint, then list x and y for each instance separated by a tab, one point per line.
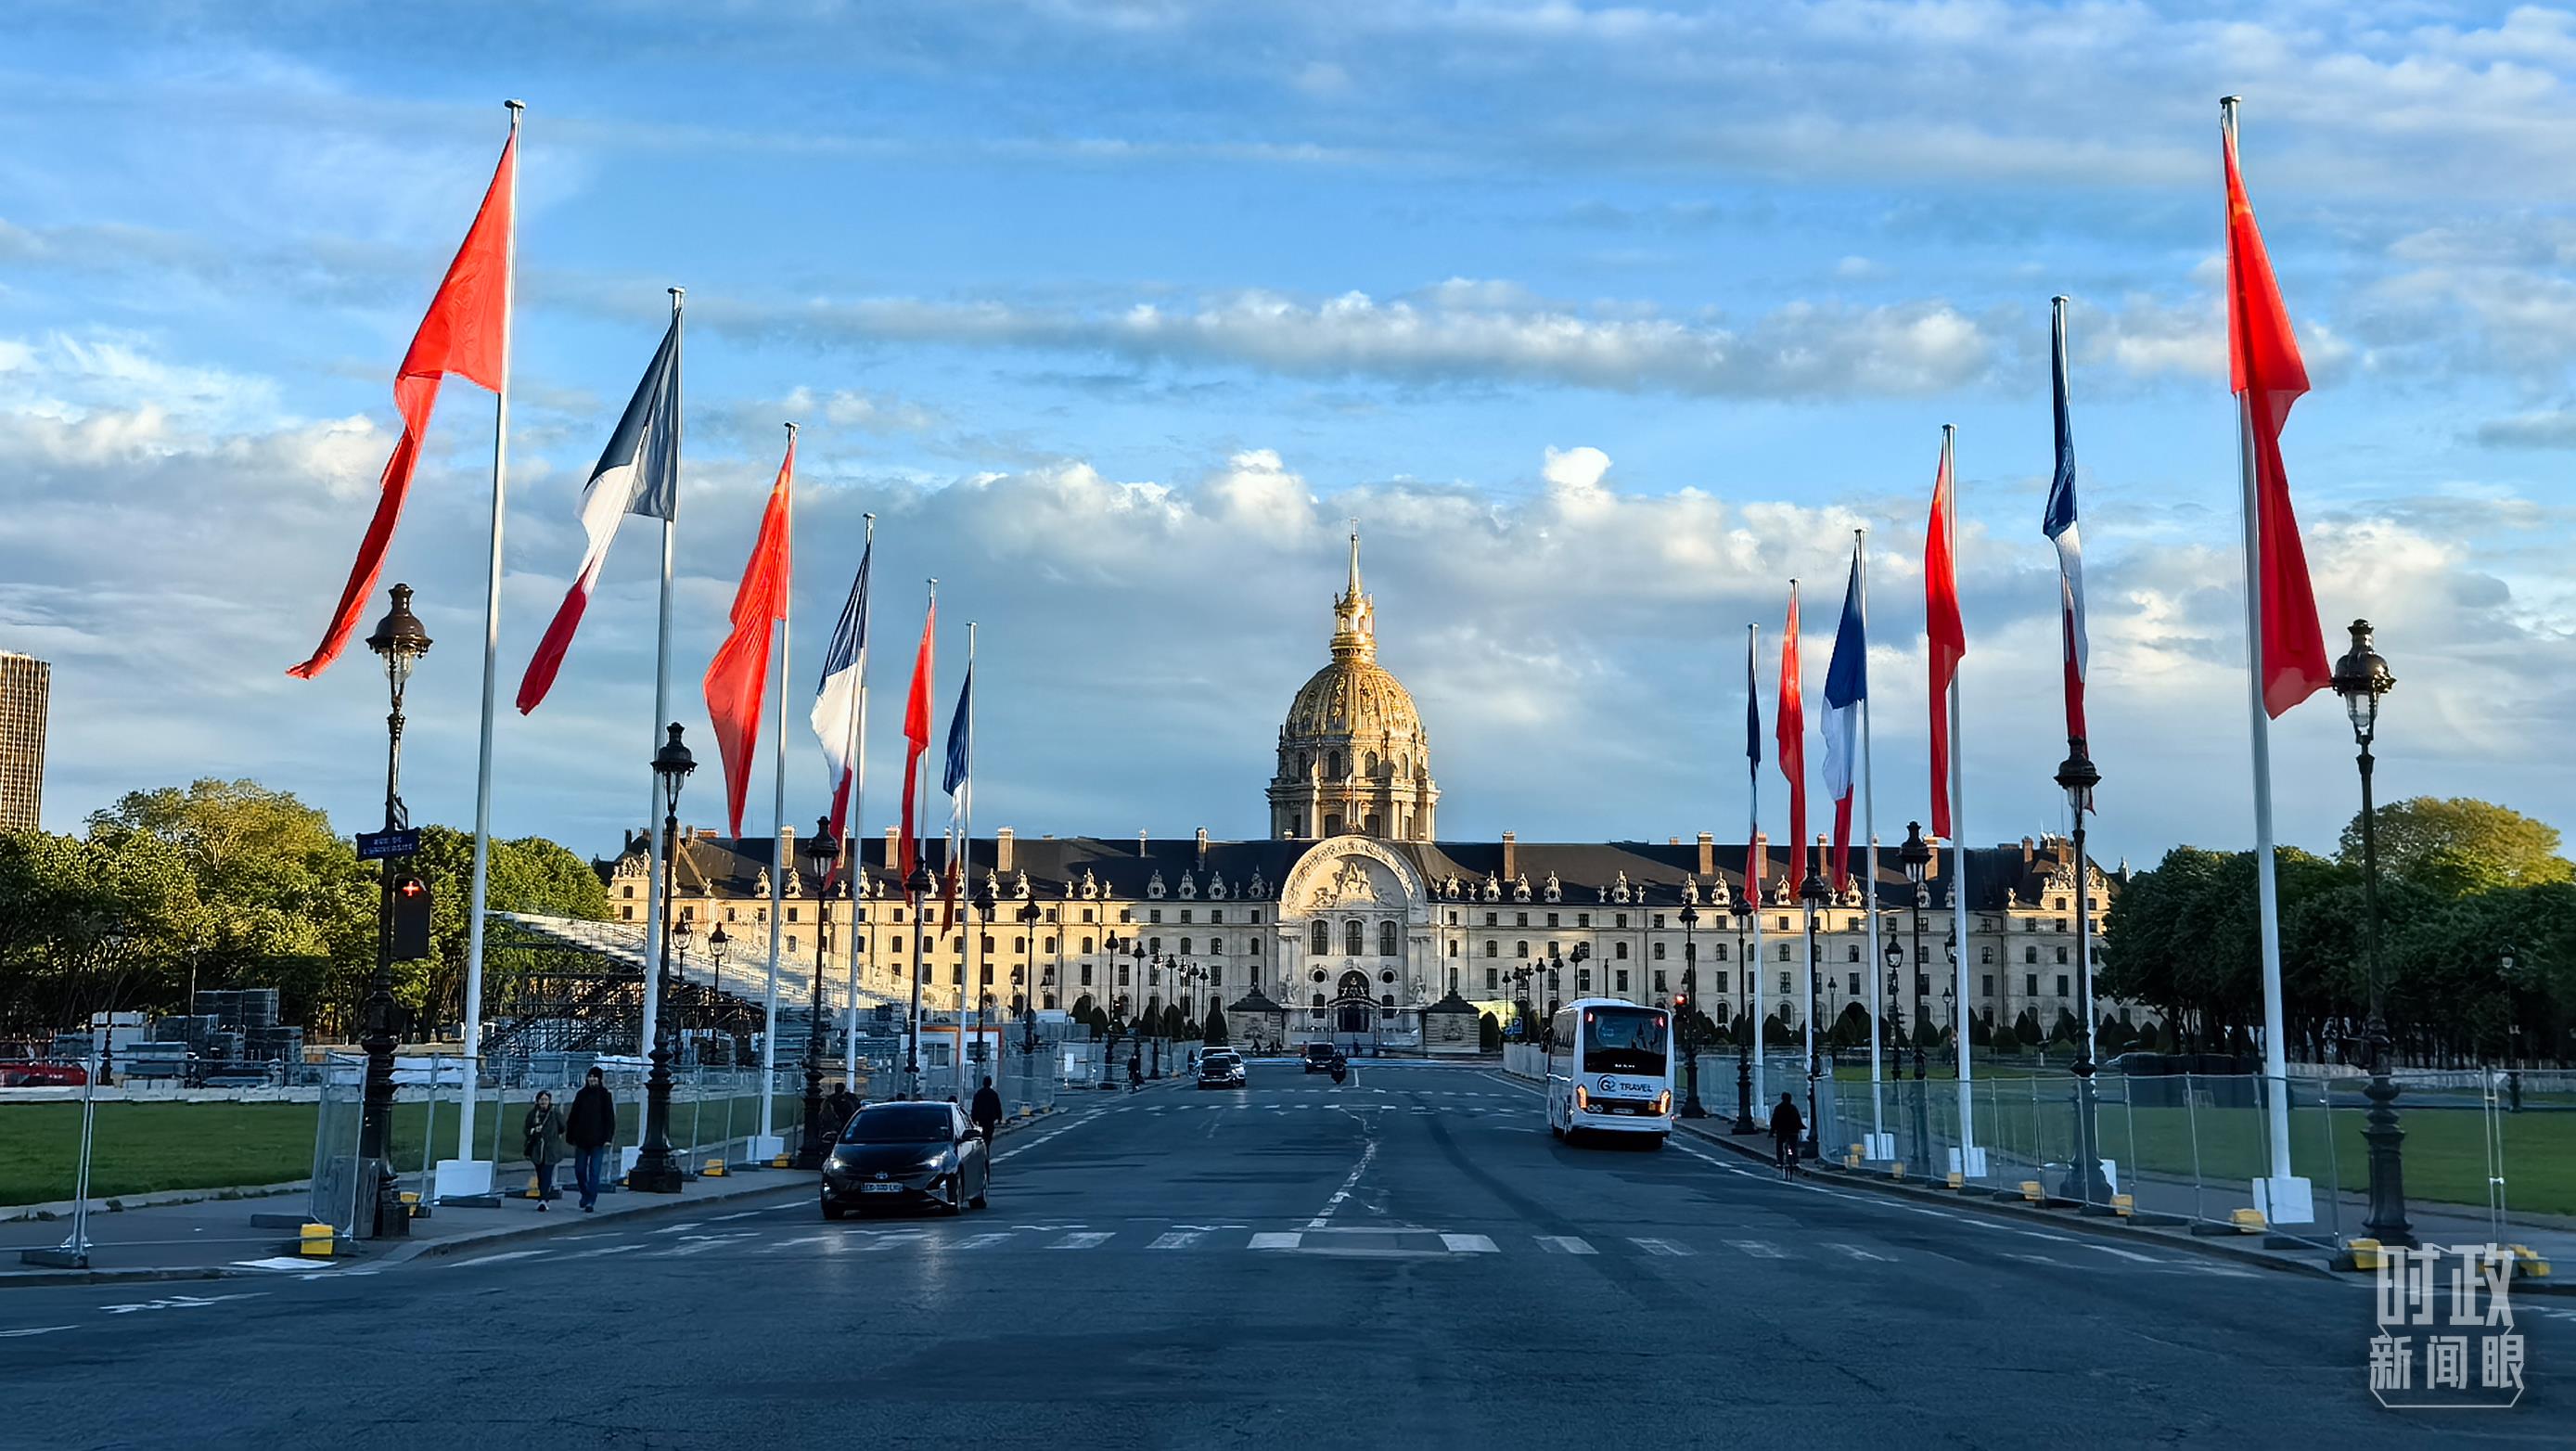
1356	920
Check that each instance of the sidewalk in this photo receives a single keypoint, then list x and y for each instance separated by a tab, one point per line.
2271	1251
215	1238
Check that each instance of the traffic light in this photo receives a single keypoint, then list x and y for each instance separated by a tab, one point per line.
1681	1003
411	918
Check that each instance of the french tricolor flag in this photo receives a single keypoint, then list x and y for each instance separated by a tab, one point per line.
2058	523
840	699
1846	686
638	473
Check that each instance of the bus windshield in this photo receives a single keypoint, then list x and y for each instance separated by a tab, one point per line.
1623	1040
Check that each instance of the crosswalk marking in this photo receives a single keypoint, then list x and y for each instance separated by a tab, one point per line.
985	1240
2128	1254
1177	1239
1564	1244
1756	1248
1662	1247
1468	1244
1856	1252
1086	1239
1288	1240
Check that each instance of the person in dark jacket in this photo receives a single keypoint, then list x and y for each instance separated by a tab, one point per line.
1786	1125
843	1104
590	1128
986	1111
541	1138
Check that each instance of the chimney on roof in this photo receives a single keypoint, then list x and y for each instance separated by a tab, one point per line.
2027	849
1203	847
894	848
1707	855
1002	839
1140	845
1511	856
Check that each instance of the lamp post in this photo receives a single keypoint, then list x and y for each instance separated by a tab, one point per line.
400	639
1811	896
1691	1106
1742	909
1141	955
657	1169
822	851
2361	678
1109	948
717	946
917	888
2077	777
1024	982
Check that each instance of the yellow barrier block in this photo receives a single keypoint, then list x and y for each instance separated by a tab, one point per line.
2367	1254
2031	1191
1957	1180
314	1239
532	1188
713	1169
2124	1205
1896	1171
780	1162
2527	1261
2248	1220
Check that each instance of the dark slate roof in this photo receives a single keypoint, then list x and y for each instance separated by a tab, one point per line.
1585	871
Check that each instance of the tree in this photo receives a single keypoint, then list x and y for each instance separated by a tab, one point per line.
1489	1034
2456	845
2026	1029
1214	1028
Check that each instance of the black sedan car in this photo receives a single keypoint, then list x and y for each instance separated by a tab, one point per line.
1221	1069
907	1155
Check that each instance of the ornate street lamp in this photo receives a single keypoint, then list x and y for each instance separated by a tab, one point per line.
718	945
2077	777
657	1169
1110	948
2361	678
400	639
1743	908
822	852
1683	1031
1812	896
1024	981
916	890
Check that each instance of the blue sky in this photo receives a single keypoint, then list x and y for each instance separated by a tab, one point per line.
1603	321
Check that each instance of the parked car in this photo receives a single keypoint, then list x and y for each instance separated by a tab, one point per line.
1320	1056
907	1156
42	1075
1222	1070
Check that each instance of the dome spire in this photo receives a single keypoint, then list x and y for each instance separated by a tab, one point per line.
1354	618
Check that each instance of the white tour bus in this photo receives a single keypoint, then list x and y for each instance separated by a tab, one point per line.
1609	1069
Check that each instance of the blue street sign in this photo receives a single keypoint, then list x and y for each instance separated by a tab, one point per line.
378	845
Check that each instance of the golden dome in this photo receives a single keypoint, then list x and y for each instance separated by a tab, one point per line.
1353	697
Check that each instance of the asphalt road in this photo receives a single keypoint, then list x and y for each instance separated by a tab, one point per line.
1410	1259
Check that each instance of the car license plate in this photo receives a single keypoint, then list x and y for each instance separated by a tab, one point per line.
881	1189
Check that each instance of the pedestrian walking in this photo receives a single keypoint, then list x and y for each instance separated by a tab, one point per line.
590	1128
1786	1125
842	1104
542	1137
1135	1072
987	1110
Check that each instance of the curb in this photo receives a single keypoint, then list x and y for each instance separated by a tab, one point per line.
117	1204
2000	1209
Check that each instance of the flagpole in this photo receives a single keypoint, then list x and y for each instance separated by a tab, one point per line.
2073	663
1869	829
966	869
1753	854
780	863
491	672
2275	1057
1971	1158
919	784
858	756
654	906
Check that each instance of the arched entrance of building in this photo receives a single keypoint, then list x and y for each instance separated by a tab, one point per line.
1354	1011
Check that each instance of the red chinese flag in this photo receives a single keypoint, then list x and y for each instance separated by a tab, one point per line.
1948	637
2264	371
737	681
916	735
1790	725
463	334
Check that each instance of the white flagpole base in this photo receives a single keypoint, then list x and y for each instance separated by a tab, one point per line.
1974	1166
763	1148
463	1179
1878	1148
2285	1200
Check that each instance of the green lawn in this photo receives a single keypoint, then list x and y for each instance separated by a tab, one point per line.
2445	1149
138	1148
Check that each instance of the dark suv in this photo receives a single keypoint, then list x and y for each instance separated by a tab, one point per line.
1319	1057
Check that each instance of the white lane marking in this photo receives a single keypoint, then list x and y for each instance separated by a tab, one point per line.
294	1262
2127	1254
2024	1255
1759	1249
608	1249
746	1214
516	1254
677	1228
1178	1239
1856	1252
2222	1271
1268	1240
985	1240
32	1330
179	1302
1092	1239
1368	1151
1564	1244
1663	1247
1468	1244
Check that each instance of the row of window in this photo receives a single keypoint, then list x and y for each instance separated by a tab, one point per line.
1718	983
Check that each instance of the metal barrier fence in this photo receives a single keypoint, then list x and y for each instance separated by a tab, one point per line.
338	1120
2192	1147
